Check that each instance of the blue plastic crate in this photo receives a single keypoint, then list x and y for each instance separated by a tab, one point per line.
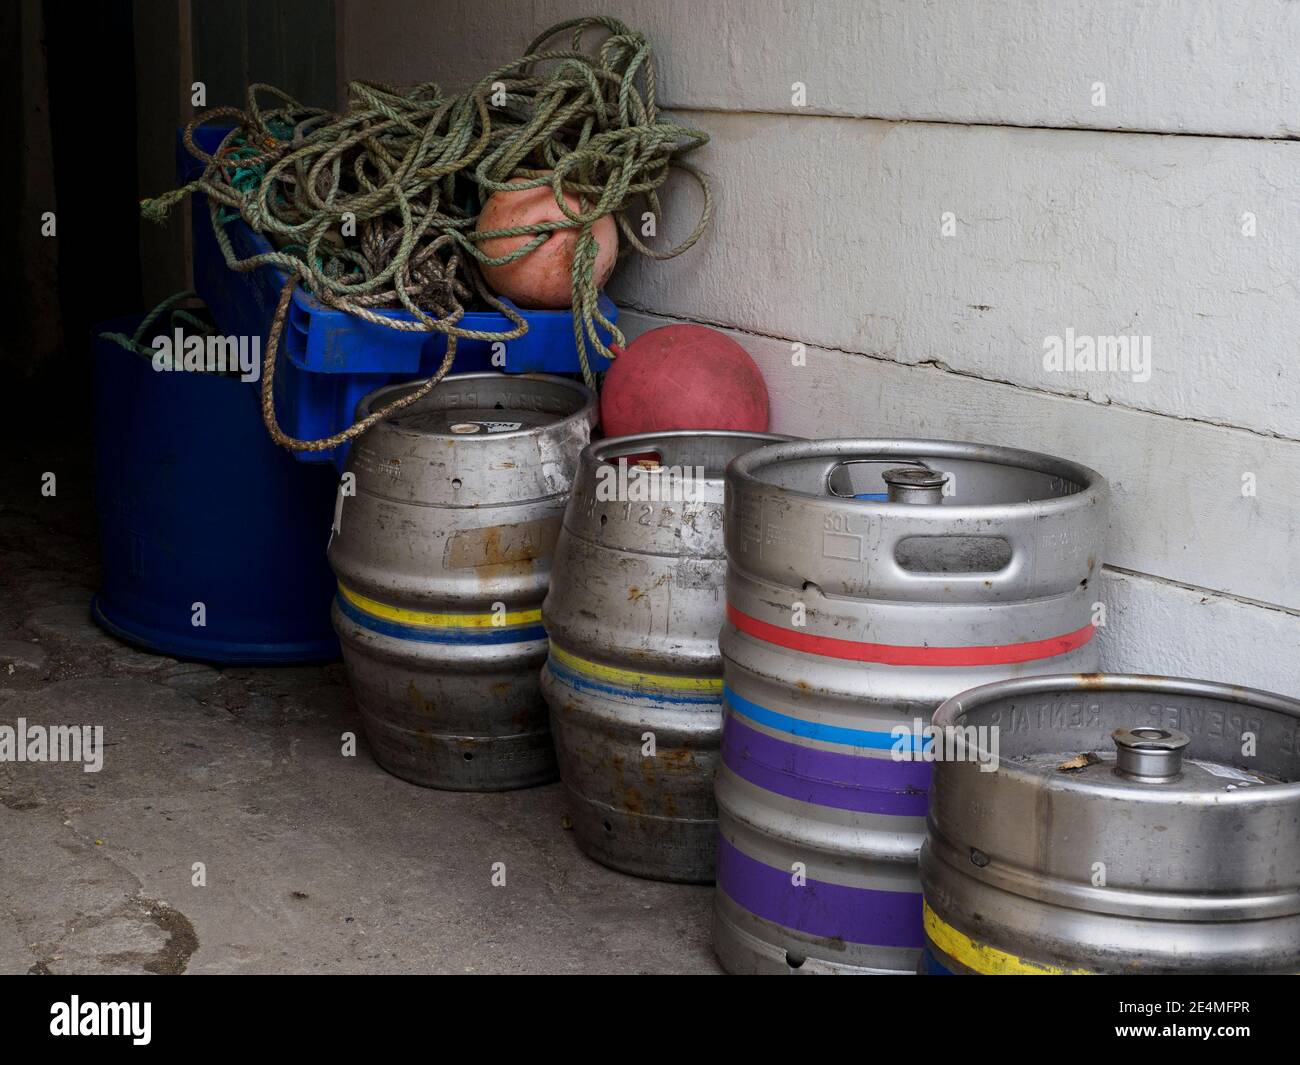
329	359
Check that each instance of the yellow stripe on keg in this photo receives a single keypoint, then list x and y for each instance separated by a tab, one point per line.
631	678
983	959
439	621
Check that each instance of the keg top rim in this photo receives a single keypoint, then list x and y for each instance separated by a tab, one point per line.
953	711
597	450
384	394
745	469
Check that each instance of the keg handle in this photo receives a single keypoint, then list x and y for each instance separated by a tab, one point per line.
880	460
925	520
1150	754
1024	553
633	455
668	451
1029	558
709	450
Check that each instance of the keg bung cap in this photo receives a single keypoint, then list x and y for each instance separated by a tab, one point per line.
913	484
1149	754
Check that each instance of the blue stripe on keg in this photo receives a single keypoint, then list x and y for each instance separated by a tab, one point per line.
875	497
426	634
659	695
812	730
932	966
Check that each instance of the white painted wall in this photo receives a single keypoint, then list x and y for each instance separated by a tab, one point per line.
828	233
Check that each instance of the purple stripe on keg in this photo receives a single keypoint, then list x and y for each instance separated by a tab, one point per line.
833	911
826	778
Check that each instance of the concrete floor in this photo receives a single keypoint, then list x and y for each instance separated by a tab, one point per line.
314	862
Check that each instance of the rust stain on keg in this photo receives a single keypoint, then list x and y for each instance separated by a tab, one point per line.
634	593
673	764
632	801
417	700
498	549
835	943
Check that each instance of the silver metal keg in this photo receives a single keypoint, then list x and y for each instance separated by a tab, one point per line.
634	678
868	581
442	550
1114	824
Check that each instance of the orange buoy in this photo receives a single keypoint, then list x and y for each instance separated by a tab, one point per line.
544	277
683	377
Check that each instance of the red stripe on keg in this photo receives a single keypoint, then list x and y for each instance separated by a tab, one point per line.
897	655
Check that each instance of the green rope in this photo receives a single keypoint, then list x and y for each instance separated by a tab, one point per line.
177	316
412	167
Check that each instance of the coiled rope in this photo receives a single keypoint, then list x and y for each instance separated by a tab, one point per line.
177	317
375	208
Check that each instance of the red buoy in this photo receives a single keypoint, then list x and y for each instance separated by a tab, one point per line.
683	377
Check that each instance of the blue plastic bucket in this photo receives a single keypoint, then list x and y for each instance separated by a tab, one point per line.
196	505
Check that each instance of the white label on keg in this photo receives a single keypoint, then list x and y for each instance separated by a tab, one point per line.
846	546
1228	772
462	428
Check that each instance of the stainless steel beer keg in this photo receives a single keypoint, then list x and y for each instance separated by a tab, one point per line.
634	678
442	548
1114	824
869	580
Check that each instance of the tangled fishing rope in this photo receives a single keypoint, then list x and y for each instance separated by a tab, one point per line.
176	316
375	208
